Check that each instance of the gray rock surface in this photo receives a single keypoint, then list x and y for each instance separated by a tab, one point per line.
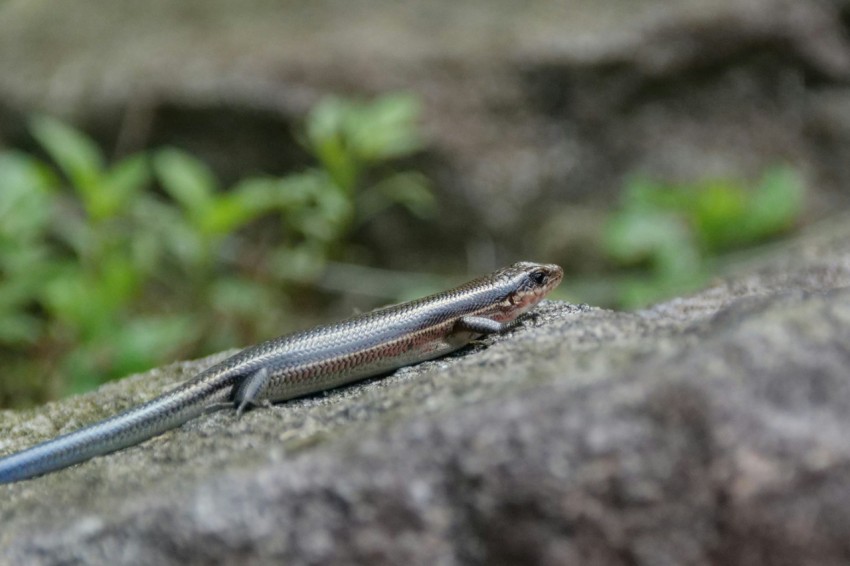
710	429
531	108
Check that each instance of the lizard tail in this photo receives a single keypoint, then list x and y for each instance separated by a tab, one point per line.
124	429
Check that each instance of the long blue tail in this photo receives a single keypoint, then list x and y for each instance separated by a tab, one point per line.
124	429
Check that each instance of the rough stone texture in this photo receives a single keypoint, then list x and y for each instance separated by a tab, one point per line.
531	108
709	429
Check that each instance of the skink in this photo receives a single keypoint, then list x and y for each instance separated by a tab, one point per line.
309	361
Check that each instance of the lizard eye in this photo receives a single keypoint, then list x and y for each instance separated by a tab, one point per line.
538	277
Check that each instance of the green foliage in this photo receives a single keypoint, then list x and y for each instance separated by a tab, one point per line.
675	232
101	276
322	206
25	209
347	135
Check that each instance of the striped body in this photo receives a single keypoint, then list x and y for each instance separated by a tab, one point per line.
309	361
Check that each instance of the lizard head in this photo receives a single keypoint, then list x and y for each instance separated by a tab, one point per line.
527	284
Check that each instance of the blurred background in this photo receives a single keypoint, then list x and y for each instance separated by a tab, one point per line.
179	177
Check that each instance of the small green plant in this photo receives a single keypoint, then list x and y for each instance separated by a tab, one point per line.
676	232
101	256
100	275
350	186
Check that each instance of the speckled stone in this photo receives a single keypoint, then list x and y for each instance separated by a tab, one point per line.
709	429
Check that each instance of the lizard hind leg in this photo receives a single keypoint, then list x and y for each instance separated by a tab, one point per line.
250	391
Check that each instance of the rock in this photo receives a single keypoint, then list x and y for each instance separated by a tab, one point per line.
709	429
526	105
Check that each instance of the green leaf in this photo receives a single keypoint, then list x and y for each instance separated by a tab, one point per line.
299	190
189	181
659	238
26	197
719	211
146	341
314	207
74	229
646	194
88	303
777	203
122	183
346	135
186	243
633	236
75	154
409	189
242	204
167	233
661	225
327	221
66	297
325	120
118	281
126	347
259	193
146	251
328	139
227	214
386	128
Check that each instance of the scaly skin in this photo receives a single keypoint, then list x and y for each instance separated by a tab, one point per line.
309	361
